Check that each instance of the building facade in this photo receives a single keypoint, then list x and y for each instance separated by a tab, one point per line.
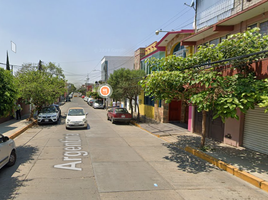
111	63
214	22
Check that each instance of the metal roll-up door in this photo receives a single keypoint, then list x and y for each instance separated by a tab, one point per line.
256	130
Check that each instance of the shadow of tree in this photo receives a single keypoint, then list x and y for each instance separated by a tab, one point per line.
244	159
240	157
186	161
9	184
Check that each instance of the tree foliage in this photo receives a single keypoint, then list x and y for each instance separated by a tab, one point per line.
8	92
198	78
40	87
125	85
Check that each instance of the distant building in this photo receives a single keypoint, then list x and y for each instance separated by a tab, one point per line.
111	63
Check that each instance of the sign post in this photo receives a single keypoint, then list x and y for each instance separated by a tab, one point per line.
105	91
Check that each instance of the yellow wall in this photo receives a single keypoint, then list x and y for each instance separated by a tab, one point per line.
150	48
145	110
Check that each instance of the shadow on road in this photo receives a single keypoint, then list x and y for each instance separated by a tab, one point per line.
8	183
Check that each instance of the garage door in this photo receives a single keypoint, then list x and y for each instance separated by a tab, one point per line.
256	130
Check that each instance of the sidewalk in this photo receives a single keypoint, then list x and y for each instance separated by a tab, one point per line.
13	127
241	161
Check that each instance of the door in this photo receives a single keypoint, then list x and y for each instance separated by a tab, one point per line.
256	130
4	151
175	110
214	128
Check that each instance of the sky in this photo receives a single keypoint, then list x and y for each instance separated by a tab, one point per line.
77	34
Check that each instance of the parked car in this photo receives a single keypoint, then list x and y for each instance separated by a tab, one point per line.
76	118
89	98
8	155
85	98
91	102
58	108
116	114
49	114
98	104
68	99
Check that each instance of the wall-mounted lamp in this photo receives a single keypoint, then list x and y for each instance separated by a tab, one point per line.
160	30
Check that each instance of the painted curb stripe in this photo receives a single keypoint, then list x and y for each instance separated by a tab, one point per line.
17	133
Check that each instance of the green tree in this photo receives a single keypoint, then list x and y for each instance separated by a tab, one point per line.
71	88
198	78
8	92
125	85
40	87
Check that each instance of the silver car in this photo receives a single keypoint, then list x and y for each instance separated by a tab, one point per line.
98	104
7	151
48	114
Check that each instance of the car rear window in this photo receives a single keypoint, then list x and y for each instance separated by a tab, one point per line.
76	112
48	110
121	110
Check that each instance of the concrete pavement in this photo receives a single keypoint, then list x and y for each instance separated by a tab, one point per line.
243	163
248	165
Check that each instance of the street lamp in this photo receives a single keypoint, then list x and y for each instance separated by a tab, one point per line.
160	30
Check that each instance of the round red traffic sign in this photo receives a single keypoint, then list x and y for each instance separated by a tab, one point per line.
105	91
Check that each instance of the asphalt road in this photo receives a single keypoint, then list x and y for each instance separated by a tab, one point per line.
111	161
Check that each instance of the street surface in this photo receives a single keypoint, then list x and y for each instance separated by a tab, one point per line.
111	161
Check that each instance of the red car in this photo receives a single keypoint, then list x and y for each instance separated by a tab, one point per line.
83	96
116	114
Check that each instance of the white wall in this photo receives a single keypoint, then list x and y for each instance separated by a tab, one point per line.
117	62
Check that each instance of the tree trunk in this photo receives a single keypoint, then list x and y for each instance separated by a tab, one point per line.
137	106
131	106
31	115
204	119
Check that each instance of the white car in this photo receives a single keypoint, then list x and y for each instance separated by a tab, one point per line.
85	98
88	99
49	114
76	118
98	104
7	151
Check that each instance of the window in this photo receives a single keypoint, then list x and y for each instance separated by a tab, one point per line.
264	28
253	26
215	41
179	51
159	103
148	101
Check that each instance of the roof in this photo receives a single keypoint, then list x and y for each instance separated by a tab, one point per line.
76	108
172	34
228	23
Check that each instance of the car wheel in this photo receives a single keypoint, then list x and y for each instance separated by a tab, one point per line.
108	118
113	120
12	158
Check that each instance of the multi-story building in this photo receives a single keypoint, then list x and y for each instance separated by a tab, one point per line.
214	22
160	111
111	63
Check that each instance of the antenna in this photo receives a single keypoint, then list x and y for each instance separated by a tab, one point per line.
191	5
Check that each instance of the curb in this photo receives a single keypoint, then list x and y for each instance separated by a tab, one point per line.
17	133
260	183
134	123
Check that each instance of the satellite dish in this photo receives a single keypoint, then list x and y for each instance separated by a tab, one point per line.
192	4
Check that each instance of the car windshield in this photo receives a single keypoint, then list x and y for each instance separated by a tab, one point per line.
98	101
48	110
76	112
121	110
